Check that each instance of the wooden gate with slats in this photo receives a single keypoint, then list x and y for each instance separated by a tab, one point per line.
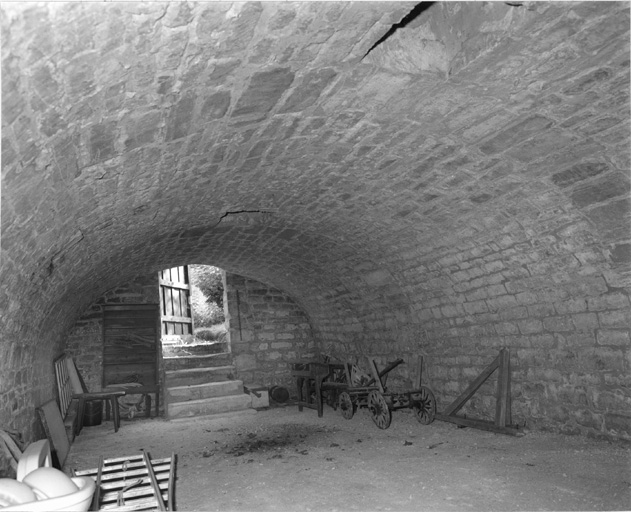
130	344
175	308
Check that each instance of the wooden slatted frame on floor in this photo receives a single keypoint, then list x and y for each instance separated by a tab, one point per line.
503	419
114	474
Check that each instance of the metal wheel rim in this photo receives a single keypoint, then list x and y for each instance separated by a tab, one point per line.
424	406
379	410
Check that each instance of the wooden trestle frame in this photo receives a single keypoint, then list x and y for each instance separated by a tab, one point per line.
503	420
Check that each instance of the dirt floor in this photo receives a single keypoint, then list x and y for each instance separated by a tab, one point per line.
282	459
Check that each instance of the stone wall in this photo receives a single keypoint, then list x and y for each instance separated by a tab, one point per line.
408	205
552	295
268	330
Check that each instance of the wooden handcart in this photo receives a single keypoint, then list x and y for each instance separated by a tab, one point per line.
375	396
134	482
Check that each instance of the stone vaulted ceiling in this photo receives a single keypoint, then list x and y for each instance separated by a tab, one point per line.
343	152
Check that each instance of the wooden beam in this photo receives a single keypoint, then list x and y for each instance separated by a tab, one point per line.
502	405
375	374
419	365
173	284
177	319
457	404
480	424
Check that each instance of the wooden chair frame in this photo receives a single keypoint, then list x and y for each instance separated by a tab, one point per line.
71	386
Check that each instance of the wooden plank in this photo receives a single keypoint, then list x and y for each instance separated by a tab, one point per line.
96	500
502	404
117	464
480	424
127	359
179	319
111	495
132	313
173	284
177	302
112	482
117	322
139	504
64	386
375	374
154	483
457	404
12	449
509	415
13	462
55	430
170	302
184	303
140	329
128	339
120	348
75	381
122	370
129	307
164	292
171	484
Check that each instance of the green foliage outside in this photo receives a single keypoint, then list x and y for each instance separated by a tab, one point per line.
206	295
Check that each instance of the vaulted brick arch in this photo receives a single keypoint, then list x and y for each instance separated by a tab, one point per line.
449	178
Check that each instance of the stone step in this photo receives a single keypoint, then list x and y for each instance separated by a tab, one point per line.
208	406
198	361
201	391
194	349
192	376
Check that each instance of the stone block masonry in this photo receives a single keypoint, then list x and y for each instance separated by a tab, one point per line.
566	324
268	331
458	186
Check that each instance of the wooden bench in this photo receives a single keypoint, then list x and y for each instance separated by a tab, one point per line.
73	395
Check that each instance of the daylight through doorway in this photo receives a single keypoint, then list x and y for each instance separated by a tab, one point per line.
192	304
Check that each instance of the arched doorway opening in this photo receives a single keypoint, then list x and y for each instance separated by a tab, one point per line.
193	315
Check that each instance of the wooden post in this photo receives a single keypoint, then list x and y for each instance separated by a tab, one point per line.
502	405
375	374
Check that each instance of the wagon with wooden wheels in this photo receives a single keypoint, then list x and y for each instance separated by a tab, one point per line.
380	402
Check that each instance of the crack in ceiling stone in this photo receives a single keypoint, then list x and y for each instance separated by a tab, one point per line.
406	20
244	214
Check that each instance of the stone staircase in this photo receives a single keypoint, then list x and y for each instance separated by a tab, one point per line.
202	385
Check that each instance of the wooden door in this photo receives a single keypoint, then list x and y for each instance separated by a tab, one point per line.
130	344
175	307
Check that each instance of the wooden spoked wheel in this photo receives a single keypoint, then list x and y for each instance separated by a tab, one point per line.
424	405
379	410
346	405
